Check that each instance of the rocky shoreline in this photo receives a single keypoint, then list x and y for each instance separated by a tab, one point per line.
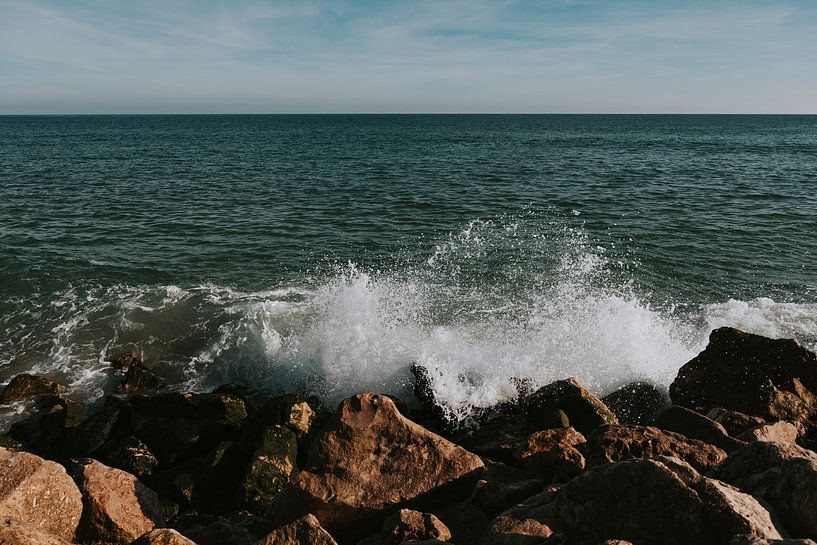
729	458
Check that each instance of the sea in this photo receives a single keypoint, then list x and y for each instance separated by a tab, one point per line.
326	254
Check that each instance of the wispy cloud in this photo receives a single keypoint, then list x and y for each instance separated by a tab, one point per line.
481	55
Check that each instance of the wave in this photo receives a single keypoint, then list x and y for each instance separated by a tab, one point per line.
498	301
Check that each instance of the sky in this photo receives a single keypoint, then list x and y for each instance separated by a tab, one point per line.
321	56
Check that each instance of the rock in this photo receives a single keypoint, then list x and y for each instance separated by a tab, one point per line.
636	403
163	536
779	432
370	460
615	443
38	493
271	467
552	454
523	524
10	443
407	526
501	487
129	454
465	522
51	419
696	426
126	361
615	542
734	422
238	529
14	533
117	507
752	540
139	379
24	387
211	486
783	475
288	410
176	426
304	531
566	403
654	502
497	438
93	432
770	378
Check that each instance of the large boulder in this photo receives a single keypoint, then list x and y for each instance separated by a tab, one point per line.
14	533
615	443
163	536
783	475
696	426
117	507
770	378
304	531
552	454
24	387
370	460
38	494
272	465
654	502
635	403
567	403
51	419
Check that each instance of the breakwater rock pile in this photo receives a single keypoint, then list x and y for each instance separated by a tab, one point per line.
726	458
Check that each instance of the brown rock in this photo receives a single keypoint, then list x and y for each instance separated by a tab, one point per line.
304	531
163	536
779	432
525	524
14	533
117	507
236	529
466	522
752	540
39	494
783	475
636	403
616	443
567	403
770	378
138	379
497	438
407	525
696	426
369	460
23	387
654	502
552	454
271	467
734	422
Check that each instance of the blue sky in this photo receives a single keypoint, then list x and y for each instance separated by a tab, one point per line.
101	56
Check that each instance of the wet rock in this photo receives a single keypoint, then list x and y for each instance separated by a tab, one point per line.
654	502
93	432
783	475
129	454
523	524
50	420
272	465
24	387
239	529
10	443
211	485
552	454
304	531
752	540
770	378
778	432
176	426
139	379
407	525
696	426
497	438
734	422
566	403
126	361
117	507
38	494
14	533
615	443
163	536
636	403
501	487
465	522
370	460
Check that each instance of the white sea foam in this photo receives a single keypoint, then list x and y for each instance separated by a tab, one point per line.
550	306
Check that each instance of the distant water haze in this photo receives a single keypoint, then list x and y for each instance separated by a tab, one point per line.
326	254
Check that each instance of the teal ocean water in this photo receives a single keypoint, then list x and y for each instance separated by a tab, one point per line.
328	253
